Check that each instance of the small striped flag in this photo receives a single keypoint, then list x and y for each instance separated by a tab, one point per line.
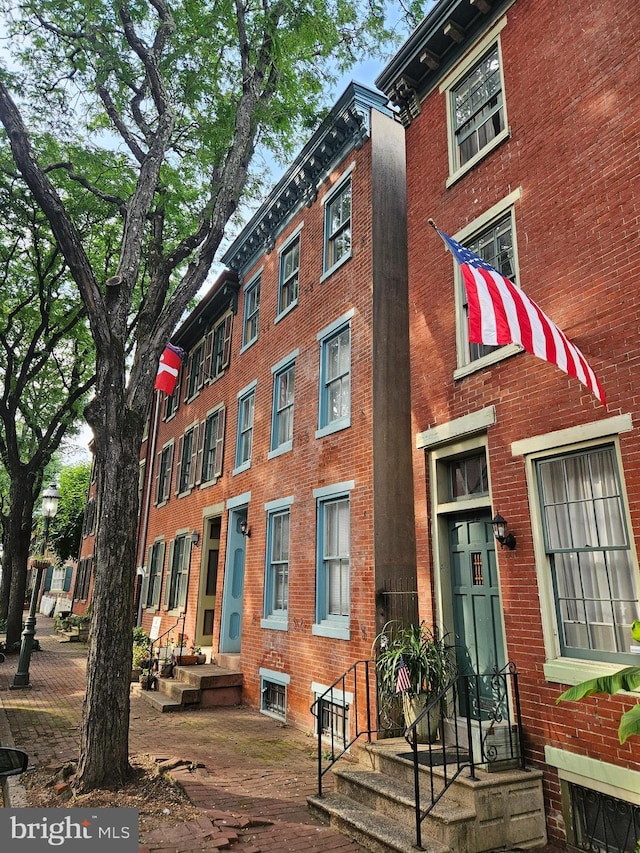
501	313
403	679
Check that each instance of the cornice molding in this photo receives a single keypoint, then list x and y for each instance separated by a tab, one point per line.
345	129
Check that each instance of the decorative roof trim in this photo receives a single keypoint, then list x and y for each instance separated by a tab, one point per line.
345	128
433	48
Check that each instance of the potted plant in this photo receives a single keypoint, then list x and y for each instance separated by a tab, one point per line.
416	662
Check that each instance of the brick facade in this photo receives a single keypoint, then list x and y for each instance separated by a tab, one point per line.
565	168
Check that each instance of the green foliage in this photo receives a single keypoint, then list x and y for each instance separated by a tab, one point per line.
140	637
627	679
66	528
430	661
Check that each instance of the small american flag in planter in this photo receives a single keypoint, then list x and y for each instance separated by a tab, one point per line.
403	681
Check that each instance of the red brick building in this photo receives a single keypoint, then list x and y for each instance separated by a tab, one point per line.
280	499
522	140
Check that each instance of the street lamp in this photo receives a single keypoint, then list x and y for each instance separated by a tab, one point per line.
50	501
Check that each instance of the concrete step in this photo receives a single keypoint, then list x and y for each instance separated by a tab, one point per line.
160	701
449	822
376	832
204	685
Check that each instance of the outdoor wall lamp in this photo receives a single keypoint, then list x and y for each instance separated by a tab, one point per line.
500	532
244	528
195	538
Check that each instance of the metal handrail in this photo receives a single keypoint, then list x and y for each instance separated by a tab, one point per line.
486	705
151	645
328	695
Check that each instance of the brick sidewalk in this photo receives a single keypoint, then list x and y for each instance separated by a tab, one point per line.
256	775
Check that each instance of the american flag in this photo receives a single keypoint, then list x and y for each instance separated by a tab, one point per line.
500	313
403	680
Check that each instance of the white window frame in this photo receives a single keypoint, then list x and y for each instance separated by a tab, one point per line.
457	75
281	679
328	201
283	253
324	337
275	619
339	698
470	232
243	397
252	313
218	442
559	669
330	625
278	370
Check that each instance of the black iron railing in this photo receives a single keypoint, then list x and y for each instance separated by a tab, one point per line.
479	725
154	661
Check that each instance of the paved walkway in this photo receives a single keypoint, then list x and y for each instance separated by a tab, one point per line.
252	789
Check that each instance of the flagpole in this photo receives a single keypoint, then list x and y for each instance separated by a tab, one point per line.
147	501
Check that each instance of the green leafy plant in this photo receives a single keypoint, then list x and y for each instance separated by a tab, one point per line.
429	659
625	679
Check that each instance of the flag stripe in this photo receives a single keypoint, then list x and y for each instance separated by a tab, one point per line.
168	369
501	313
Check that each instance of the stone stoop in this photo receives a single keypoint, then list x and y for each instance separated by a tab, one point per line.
374	804
204	685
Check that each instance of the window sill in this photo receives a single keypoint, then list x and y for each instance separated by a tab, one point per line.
286	311
278	451
240	468
572	671
272	623
459	173
487	360
328	629
337	426
328	273
248	345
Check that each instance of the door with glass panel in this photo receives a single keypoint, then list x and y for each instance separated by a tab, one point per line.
477	615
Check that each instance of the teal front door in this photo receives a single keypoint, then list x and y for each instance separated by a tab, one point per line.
477	613
233	592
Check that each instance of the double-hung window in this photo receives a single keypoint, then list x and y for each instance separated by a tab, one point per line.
589	554
213	445
492	236
478	111
476	107
335	377
175	594
333	591
155	565
337	227
251	312
220	346
283	397
163	475
244	440
289	274
276	587
187	450
195	371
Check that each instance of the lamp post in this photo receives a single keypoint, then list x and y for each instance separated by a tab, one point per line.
50	501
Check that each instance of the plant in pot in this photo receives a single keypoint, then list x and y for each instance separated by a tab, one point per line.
416	662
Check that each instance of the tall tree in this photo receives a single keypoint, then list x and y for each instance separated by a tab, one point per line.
175	94
46	368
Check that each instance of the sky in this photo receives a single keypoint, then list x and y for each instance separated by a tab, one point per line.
362	72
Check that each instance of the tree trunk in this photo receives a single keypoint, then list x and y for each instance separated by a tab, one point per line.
17	554
5	580
104	743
